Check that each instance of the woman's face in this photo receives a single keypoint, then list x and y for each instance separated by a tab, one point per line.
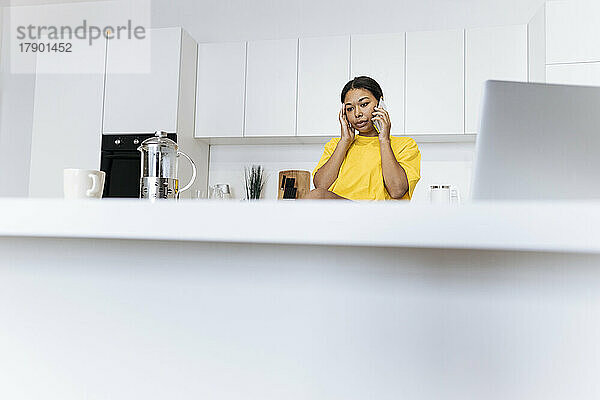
359	104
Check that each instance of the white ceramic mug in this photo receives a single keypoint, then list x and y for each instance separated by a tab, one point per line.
83	183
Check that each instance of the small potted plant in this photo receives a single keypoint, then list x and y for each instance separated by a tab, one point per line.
254	178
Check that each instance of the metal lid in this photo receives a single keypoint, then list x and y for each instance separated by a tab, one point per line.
159	139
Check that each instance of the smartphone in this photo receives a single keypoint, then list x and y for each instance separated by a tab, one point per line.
377	124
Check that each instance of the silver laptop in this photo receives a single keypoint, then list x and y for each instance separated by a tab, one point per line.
538	142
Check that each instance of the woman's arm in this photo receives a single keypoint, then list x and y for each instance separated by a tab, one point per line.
328	173
394	176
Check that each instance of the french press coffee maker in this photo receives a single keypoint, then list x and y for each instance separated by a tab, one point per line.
159	168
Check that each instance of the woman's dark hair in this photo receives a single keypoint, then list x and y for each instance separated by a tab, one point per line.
363	82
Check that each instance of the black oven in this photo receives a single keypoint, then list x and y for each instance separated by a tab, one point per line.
120	159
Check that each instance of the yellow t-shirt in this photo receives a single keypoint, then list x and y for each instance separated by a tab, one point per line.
361	176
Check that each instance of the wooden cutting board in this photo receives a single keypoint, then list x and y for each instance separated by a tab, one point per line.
293	184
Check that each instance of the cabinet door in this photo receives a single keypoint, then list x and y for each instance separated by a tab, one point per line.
435	82
383	58
142	83
67	117
323	70
574	74
220	91
492	53
271	84
536	37
573	29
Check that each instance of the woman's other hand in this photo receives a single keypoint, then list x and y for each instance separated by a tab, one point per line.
347	131
381	115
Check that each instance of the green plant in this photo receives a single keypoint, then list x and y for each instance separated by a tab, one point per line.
254	177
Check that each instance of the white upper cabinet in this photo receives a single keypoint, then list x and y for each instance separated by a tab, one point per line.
323	70
143	82
220	90
573	31
383	58
435	82
587	74
492	53
271	85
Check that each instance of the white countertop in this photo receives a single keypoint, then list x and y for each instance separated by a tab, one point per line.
550	226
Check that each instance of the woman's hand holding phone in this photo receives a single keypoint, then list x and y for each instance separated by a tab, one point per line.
381	116
347	132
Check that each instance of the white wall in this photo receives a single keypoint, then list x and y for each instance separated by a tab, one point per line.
16	120
440	163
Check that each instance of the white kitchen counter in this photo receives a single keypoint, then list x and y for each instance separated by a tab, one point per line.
538	226
189	306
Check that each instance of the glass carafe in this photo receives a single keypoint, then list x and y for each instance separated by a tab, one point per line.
159	159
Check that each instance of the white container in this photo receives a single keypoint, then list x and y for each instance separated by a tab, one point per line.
444	194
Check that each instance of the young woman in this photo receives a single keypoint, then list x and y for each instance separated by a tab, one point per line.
368	165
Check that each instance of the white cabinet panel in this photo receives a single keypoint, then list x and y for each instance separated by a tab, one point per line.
271	84
67	116
382	57
220	91
323	70
492	53
537	46
142	83
573	29
574	74
435	82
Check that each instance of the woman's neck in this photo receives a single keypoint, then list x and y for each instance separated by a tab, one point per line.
371	133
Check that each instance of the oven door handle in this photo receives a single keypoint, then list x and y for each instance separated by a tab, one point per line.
131	156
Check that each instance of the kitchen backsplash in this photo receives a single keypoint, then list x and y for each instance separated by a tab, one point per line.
441	163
